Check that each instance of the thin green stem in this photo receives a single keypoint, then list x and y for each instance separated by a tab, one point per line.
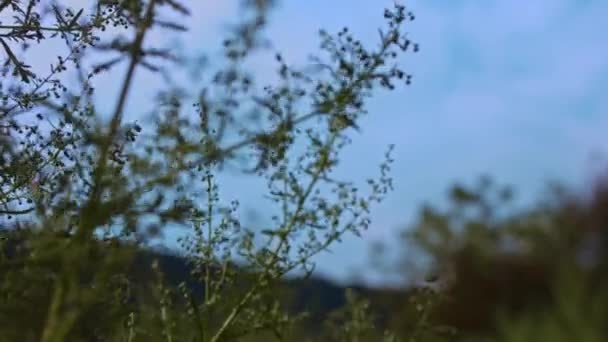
87	225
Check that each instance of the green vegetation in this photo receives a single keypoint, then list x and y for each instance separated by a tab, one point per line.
538	273
83	192
81	196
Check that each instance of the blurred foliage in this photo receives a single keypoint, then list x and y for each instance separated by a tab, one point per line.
538	273
577	314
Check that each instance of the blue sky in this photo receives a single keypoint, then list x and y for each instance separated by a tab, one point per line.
511	88
508	88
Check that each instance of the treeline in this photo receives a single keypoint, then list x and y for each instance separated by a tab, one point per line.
534	274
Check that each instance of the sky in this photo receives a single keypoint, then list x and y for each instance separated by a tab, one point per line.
509	88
